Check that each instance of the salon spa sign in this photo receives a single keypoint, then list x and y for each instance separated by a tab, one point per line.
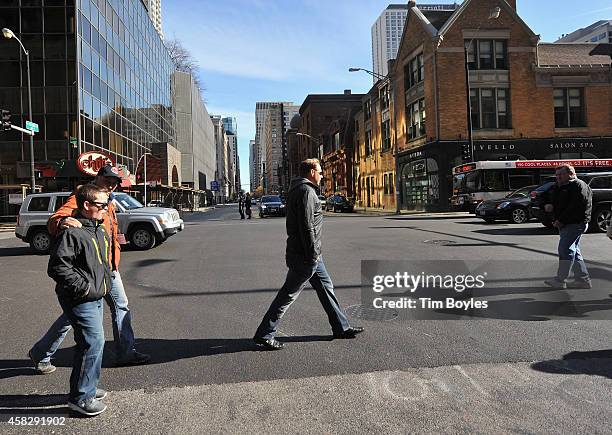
91	162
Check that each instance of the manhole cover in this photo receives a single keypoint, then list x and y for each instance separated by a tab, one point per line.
439	242
373	314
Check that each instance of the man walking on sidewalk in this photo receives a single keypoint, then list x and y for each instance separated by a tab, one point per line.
41	353
571	204
303	257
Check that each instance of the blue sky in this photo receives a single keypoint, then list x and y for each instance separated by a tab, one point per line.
282	50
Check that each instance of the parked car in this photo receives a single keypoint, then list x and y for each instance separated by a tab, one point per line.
144	227
323	200
538	198
514	207
339	203
271	205
601	185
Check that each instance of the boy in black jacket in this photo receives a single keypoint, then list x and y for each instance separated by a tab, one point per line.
79	266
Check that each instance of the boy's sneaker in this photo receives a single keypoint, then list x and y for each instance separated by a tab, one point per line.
42	368
555	283
580	284
101	394
90	407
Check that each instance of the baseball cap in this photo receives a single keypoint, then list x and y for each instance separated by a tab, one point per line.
109	171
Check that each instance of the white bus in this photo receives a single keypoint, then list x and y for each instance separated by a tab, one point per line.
480	181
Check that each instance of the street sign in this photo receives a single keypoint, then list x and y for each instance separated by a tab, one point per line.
15	198
32	126
73	140
214	186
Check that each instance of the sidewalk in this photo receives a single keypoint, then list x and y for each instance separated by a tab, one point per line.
558	396
7	230
390	212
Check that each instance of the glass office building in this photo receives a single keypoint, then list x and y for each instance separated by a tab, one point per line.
101	81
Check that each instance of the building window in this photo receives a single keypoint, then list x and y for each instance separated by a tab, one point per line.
384	98
388	183
490	108
367	110
386	135
414	71
569	108
368	143
415	114
487	54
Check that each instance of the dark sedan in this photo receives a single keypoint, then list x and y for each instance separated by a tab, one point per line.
338	203
271	205
514	207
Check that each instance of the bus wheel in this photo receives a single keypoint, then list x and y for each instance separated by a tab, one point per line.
519	216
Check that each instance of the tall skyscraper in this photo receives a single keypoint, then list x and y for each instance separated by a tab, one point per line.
252	165
386	36
154	9
261	112
387	32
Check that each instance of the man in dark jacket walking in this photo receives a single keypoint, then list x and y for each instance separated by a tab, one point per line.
571	204
303	257
79	265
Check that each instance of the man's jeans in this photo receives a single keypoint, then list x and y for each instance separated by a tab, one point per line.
297	277
86	318
570	257
123	334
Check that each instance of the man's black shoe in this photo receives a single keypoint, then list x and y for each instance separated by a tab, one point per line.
134	359
269	344
350	333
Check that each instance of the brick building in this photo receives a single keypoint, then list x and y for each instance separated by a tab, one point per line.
530	100
374	154
317	113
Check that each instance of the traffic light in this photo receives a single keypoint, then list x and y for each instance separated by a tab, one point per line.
6	120
466	152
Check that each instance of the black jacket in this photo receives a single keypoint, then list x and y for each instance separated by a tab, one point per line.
79	262
572	202
304	222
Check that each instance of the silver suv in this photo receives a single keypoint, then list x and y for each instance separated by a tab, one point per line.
144	227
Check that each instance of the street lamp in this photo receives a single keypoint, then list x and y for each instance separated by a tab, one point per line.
395	145
145	174
493	15
8	34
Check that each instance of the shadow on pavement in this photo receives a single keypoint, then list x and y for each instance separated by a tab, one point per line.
168	293
596	363
10	368
514	231
17	252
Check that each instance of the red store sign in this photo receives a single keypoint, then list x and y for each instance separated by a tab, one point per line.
90	162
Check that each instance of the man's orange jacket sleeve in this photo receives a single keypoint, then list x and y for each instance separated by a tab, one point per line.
67	210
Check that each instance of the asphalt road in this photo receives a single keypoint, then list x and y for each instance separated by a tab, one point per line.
198	298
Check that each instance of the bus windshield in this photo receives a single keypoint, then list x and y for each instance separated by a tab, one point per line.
466	183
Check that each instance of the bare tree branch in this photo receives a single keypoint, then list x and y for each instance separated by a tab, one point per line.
184	61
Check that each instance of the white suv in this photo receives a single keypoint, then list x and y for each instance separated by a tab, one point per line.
144	227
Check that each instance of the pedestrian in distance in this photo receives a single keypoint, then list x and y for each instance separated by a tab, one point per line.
241	206
247	205
304	223
80	267
125	353
571	205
